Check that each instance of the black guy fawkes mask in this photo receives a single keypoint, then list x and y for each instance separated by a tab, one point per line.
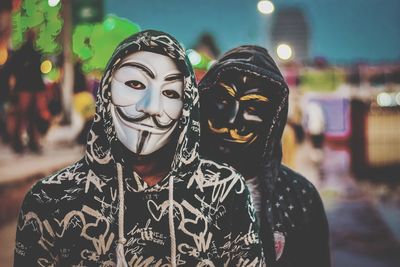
236	115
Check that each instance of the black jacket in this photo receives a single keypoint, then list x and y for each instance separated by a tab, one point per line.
291	206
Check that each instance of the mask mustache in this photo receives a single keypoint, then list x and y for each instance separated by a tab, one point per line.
233	133
144	117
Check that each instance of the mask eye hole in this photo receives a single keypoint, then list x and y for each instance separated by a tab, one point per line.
223	102
135	85
171	94
251	110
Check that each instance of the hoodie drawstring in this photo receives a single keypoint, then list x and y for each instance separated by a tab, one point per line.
171	220
121	261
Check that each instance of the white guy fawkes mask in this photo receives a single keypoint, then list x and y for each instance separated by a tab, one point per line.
146	93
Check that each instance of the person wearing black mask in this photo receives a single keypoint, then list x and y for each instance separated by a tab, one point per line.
244	103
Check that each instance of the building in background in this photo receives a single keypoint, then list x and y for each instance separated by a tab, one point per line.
290	27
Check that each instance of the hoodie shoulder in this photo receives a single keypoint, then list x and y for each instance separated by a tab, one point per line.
301	189
50	192
301	198
42	214
299	181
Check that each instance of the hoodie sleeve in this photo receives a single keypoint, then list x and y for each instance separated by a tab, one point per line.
35	237
309	244
246	247
317	234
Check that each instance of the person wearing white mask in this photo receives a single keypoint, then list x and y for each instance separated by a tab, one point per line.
147	103
142	195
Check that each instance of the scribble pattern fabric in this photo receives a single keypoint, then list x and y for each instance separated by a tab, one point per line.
71	217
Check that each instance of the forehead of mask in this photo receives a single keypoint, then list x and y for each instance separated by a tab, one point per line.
146	78
239	107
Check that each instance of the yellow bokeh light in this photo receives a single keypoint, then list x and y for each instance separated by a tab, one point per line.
3	55
265	7
284	51
46	66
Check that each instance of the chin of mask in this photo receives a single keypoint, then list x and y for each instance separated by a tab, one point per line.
146	93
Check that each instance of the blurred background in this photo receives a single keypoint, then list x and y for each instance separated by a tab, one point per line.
340	58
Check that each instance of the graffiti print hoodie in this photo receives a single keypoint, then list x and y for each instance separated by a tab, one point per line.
98	212
294	228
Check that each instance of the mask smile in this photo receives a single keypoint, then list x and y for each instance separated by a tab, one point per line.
144	123
235	137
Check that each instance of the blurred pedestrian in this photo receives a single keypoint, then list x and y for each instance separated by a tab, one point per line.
289	146
4	96
83	103
33	115
80	84
315	125
244	101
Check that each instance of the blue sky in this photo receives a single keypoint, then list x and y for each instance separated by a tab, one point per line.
341	30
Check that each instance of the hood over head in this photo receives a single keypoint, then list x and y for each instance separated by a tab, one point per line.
108	157
104	149
256	61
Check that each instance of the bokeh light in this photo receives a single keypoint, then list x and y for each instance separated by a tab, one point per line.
46	66
398	98
265	7
284	51
384	99
45	18
3	55
109	23
194	57
81	43
53	3
88	40
54	75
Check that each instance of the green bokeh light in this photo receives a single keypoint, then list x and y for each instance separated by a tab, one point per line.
89	40
81	42
92	43
54	74
199	60
46	20
109	24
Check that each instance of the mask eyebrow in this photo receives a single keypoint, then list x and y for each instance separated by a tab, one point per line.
173	77
231	90
139	66
254	97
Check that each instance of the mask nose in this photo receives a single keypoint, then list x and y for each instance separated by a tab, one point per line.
236	119
150	103
233	113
